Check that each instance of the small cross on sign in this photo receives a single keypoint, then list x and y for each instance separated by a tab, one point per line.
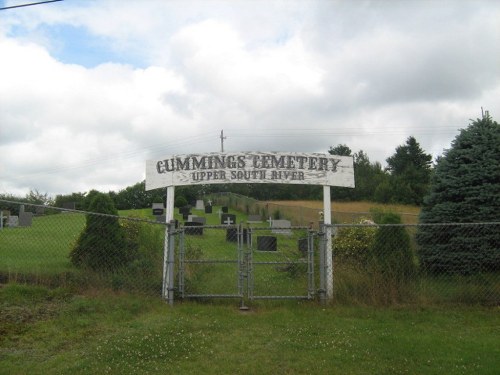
228	221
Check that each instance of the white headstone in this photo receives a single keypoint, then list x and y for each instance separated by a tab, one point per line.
200	205
25	219
13	221
254	219
281	227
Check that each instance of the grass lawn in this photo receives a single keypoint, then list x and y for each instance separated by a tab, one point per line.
45	331
43	248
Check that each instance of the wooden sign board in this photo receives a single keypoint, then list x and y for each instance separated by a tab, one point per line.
250	167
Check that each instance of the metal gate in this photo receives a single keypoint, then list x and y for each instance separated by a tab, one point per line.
245	263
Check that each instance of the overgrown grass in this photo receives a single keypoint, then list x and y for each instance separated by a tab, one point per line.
44	331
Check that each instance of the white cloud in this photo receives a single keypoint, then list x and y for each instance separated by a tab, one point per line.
299	76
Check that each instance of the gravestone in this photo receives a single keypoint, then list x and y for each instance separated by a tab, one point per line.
191	217
302	243
158	209
69	205
232	235
39	211
228	219
193	228
281	227
200	205
208	209
199	219
267	243
3	218
254	219
225	209
13	221
185	210
25	219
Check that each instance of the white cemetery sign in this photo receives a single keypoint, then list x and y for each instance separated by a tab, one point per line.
251	167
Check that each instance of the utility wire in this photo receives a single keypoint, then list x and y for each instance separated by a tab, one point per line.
29	4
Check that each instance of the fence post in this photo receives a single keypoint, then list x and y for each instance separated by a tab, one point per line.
170	262
327	217
322	265
310	262
169	216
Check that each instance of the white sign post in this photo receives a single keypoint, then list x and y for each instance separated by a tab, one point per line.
167	267
251	167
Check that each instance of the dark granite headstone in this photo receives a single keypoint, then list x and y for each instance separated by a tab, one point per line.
267	243
185	210
232	235
158	209
225	209
199	219
228	219
193	228
208	209
302	242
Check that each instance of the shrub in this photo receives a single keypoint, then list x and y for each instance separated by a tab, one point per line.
352	244
391	253
180	201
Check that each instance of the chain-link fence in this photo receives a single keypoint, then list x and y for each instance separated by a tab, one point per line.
425	263
368	264
63	247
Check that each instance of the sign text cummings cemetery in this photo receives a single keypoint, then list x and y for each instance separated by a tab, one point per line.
250	167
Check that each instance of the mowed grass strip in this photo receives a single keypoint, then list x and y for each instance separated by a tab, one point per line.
50	331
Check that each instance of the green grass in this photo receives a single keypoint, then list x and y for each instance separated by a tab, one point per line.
41	249
44	331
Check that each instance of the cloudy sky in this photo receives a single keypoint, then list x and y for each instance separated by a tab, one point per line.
89	90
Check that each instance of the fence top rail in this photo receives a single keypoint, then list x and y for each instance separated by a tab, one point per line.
84	212
235	226
412	225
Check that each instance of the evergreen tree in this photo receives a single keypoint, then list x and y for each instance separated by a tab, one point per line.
101	245
464	188
410	169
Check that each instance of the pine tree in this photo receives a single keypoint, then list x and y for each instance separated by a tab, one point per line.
410	169
101	245
464	189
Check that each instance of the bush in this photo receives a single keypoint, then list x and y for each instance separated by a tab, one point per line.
101	246
180	201
391	253
352	244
